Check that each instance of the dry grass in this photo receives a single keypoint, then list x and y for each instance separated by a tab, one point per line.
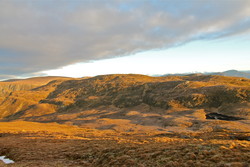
36	144
127	120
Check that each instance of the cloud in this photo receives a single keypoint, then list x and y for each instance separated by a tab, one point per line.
47	34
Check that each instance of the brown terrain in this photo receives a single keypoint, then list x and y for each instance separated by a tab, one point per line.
126	120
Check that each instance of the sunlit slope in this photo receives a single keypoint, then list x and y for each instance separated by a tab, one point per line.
124	102
17	95
9	86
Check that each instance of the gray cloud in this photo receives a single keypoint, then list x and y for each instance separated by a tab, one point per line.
47	34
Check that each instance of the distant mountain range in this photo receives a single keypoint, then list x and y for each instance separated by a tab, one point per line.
234	73
230	73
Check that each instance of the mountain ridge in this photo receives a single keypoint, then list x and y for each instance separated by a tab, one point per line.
229	73
131	101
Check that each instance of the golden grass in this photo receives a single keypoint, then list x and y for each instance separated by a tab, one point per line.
50	144
127	120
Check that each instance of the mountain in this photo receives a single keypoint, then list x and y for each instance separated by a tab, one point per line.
229	73
26	84
130	102
234	73
9	87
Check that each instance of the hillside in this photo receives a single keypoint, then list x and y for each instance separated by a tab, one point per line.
132	102
17	94
128	120
9	86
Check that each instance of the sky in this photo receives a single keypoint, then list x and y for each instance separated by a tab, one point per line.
78	38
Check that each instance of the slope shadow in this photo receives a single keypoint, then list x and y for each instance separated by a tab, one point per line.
222	117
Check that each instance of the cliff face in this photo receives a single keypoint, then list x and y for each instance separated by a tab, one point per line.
130	97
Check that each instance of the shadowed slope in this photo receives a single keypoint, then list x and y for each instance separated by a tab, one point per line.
131	90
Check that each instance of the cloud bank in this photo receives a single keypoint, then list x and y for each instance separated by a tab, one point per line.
48	34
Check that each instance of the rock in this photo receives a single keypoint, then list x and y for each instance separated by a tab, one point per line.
222	117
